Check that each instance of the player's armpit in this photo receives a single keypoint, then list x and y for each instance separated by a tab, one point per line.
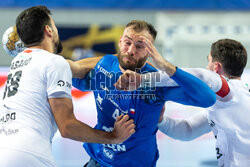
82	67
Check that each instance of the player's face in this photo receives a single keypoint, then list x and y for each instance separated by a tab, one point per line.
132	52
56	40
210	65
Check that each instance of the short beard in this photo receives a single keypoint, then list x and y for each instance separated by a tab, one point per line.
58	47
133	67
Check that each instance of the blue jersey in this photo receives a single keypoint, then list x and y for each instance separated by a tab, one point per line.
143	105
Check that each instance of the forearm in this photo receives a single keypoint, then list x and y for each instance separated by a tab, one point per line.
82	67
185	129
161	79
70	127
164	65
196	92
79	131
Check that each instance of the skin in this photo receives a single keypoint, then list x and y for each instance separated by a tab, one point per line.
217	67
135	48
62	108
132	54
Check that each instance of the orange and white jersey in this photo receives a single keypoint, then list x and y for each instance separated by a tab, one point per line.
26	121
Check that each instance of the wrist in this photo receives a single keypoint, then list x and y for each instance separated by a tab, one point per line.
113	138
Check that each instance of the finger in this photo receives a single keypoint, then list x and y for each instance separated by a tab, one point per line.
149	45
132	126
127	74
132	77
119	117
129	122
132	131
124	78
150	53
124	119
119	84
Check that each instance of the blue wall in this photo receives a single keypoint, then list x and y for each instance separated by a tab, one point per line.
135	4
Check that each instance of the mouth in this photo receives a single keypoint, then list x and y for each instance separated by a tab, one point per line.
129	60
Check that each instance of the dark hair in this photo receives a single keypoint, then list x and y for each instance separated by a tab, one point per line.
140	25
30	24
231	54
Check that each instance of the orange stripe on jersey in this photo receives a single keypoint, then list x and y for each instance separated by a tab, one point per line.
224	90
27	51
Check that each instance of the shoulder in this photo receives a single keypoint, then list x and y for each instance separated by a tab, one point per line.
57	60
56	64
108	60
149	68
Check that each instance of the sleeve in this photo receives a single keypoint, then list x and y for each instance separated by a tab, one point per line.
59	78
82	84
86	84
191	91
216	82
185	129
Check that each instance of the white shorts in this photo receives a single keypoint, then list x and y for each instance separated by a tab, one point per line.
15	158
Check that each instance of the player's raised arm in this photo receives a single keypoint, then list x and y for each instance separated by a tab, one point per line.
82	67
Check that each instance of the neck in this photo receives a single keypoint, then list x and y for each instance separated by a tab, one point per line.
232	77
45	45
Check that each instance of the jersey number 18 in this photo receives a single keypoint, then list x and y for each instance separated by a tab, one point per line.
12	84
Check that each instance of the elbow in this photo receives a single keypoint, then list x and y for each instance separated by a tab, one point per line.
206	100
64	131
210	100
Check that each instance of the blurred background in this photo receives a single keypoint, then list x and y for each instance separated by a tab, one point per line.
186	30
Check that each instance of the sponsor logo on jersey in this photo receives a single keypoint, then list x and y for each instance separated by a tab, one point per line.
61	83
9	131
115	147
108	153
7	117
105	72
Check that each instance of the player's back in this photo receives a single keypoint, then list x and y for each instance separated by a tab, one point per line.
26	118
231	126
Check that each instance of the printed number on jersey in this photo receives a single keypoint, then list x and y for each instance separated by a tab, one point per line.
12	84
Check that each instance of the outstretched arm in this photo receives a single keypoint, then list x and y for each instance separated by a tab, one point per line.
217	83
191	91
70	127
82	67
59	97
185	129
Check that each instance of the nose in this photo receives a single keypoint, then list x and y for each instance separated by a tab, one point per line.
132	50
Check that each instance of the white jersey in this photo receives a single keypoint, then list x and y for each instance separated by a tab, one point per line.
230	123
26	121
228	118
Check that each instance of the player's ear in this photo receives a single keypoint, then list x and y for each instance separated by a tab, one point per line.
120	41
48	30
218	67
